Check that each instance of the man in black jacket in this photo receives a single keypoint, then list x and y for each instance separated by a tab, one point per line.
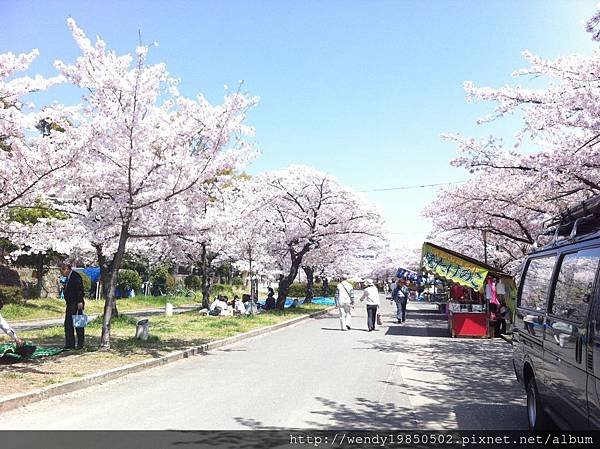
73	293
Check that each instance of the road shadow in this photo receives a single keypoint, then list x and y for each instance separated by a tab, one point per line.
488	416
418	331
425	316
363	413
479	390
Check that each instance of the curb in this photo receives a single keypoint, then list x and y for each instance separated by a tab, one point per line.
22	399
507	338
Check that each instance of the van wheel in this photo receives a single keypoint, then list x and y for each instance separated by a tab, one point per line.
536	416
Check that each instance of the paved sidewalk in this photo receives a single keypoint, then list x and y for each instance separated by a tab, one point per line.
24	325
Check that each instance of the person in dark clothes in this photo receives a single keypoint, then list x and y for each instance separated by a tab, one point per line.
270	302
73	293
502	316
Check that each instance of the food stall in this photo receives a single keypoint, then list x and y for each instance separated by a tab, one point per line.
476	290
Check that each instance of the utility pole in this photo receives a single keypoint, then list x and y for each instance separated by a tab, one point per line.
484	234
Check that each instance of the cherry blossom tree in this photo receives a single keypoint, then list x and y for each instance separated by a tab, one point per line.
246	243
513	193
147	153
207	242
387	264
298	209
350	256
32	142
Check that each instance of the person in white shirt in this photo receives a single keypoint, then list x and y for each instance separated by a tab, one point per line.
238	306
344	303
371	298
5	327
218	303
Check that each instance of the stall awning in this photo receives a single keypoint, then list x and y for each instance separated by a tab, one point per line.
403	272
456	267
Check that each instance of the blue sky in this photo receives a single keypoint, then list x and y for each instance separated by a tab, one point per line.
359	89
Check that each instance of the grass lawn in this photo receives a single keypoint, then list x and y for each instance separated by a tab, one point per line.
33	309
166	334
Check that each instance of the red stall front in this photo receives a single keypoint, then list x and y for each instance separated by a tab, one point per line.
480	296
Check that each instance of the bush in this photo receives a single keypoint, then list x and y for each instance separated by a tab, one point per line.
162	281
298	289
29	289
136	263
193	282
9	277
11	294
332	288
129	280
222	289
237	281
87	283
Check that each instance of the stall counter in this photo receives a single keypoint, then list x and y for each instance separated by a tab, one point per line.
468	324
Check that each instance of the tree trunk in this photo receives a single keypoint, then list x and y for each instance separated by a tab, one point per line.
310	283
253	294
105	275
286	281
206	281
40	271
325	288
110	305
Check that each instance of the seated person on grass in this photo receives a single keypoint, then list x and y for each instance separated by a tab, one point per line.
238	306
218	306
270	302
251	306
229	310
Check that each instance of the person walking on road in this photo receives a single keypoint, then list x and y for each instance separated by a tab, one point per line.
73	293
400	297
344	303
371	298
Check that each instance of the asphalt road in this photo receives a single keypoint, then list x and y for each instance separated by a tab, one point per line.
311	375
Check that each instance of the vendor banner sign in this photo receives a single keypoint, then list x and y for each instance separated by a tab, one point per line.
453	268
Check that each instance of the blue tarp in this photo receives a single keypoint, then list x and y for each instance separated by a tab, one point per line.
323	301
289	302
292	302
92	272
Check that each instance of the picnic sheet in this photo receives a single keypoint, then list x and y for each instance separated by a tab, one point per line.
9	351
323	301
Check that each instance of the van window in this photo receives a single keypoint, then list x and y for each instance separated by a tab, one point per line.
574	285
536	283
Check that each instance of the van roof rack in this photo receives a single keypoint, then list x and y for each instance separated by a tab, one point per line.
580	219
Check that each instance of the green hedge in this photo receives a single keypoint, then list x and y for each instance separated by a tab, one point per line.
237	280
129	280
9	277
193	282
298	289
11	294
87	282
221	289
162	279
